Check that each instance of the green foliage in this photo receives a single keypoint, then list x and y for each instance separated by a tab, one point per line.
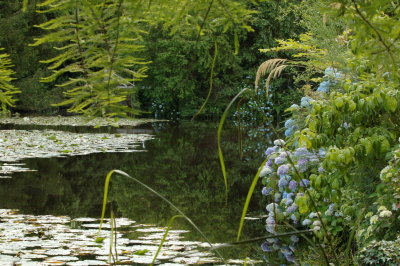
180	90
7	90
95	52
16	32
351	119
380	253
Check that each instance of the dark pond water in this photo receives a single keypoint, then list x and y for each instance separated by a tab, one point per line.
181	163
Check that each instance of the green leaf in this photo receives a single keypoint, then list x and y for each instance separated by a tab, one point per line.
391	103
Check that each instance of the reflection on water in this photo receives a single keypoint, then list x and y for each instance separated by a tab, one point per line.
181	163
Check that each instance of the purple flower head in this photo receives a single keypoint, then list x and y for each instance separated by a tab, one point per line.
313	158
271	150
270	162
293	217
280	160
291	209
302	165
304	182
283	169
302	153
290	258
288	201
266	247
265	191
283	182
293	185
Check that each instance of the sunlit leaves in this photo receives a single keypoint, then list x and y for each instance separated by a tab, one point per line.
7	90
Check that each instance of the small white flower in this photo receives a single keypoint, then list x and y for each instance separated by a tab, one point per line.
374	219
385	214
272	207
317	223
312	215
266	171
279	142
316	228
382	208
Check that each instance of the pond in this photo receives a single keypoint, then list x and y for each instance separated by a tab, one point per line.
52	196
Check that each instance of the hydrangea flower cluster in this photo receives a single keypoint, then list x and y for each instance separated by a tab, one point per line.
330	79
283	186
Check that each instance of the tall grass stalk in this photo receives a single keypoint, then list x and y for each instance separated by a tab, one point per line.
220	126
122	173
248	198
170	222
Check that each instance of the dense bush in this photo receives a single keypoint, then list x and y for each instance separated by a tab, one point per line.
337	171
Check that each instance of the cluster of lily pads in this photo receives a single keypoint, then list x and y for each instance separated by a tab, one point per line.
73	121
16	145
60	240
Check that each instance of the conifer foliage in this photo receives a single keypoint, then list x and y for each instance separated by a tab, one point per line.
96	54
7	90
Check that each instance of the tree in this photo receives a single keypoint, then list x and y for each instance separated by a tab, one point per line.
99	44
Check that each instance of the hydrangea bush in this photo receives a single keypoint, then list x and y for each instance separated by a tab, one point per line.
317	177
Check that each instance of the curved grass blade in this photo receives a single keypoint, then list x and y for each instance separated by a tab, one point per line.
220	155
106	186
165	236
248	198
211	81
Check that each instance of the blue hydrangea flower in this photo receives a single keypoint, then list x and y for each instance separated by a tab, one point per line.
270	162
301	153
294	106
289	132
265	191
293	185
289	123
280	160
283	182
305	102
324	86
321	169
321	152
304	182
291	208
306	222
302	165
283	169
266	247
271	150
